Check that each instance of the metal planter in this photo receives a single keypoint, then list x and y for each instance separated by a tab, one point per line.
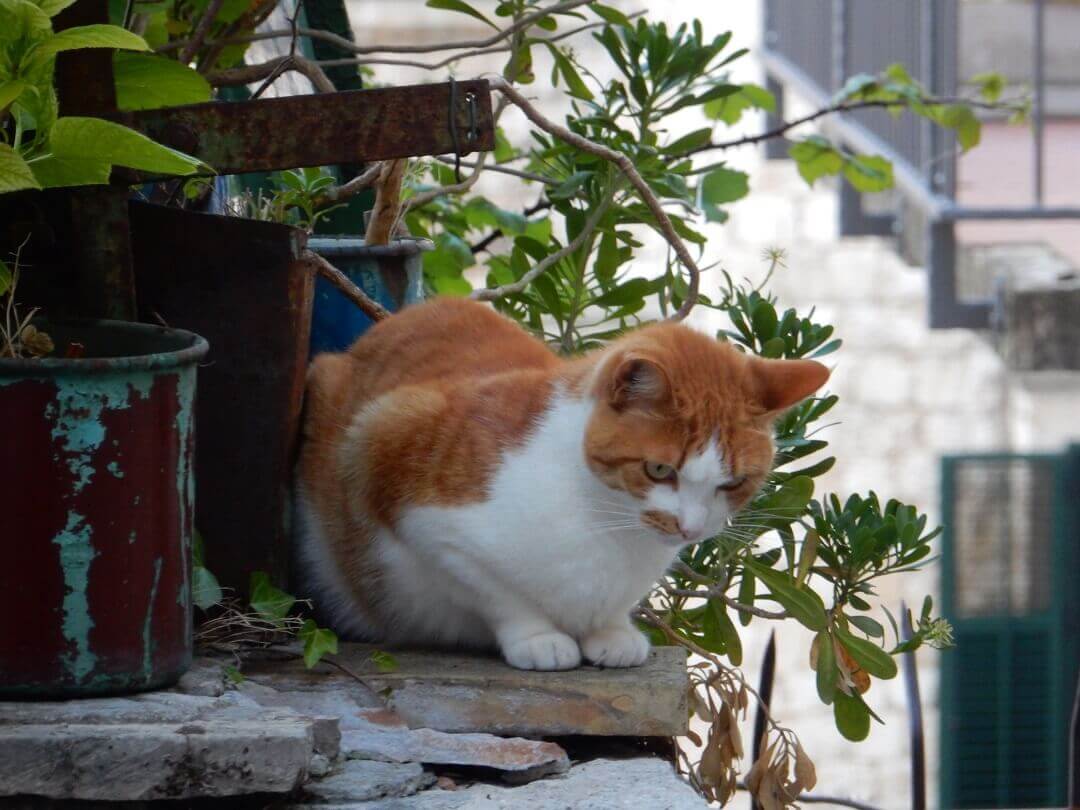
391	274
96	500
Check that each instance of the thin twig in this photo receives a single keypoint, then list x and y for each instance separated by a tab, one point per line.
247	74
549	261
539	178
734	604
373	309
627	167
842	107
351	47
202	28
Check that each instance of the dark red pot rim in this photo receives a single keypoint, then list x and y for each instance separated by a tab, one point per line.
111	347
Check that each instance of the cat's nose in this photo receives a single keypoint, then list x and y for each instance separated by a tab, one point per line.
692	534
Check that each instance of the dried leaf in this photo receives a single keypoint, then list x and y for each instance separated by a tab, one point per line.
804	768
713	766
694	737
35	342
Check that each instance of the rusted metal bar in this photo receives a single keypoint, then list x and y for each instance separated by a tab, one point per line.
352	126
102	236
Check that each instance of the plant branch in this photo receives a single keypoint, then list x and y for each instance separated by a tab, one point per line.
202	28
351	47
627	167
233	77
541	205
549	261
336	194
734	604
373	309
832	109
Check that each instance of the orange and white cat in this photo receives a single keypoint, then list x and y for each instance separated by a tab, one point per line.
460	484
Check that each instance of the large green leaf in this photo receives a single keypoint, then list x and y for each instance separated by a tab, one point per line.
868	655
723	185
869	173
730	109
57	172
80	138
852	716
21	20
9	92
827	673
53	7
86	36
15	173
145	82
802	603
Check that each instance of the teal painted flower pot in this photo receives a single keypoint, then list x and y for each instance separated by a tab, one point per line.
391	274
96	496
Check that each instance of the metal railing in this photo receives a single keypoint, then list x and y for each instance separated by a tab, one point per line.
811	46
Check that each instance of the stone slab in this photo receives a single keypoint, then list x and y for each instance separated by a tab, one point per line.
365	780
381	734
468	693
603	784
132	761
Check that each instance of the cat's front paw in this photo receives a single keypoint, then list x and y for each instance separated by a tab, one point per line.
544	651
616	647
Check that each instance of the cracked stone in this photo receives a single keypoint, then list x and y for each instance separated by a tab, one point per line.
361	780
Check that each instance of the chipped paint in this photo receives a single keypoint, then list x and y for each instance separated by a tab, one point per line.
147	638
185	484
76	554
114	468
76	415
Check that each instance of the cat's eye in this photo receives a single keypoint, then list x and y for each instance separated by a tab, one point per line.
659	472
731	485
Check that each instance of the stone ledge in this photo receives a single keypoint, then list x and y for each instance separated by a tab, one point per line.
462	693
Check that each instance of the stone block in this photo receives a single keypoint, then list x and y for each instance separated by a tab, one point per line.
134	762
365	780
464	693
1042	326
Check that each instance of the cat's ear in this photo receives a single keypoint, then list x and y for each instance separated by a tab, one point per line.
637	383
782	383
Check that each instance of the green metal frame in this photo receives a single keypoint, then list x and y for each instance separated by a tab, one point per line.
1056	623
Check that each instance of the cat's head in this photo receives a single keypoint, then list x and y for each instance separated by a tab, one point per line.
682	427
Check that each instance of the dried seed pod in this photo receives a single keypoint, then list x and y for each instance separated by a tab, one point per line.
805	772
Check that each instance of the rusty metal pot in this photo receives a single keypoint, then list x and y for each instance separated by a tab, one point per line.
96	511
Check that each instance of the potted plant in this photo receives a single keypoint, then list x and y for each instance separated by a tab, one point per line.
96	463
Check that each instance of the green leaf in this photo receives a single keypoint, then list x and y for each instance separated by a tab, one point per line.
730	109
384	661
53	7
764	320
96	139
868	655
5	278
23	22
690	141
10	91
205	589
856	85
803	604
746	595
463	8
574	83
234	676
723	185
611	15
445	285
145	82
815	157
504	151
990	85
827	673
56	172
626	293
318	641
869	173
961	118
86	36
728	633
15	173
568	187
268	599
869	626
852	716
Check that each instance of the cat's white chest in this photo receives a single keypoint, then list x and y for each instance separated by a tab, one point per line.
550	533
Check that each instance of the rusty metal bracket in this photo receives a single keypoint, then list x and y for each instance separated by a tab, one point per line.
351	126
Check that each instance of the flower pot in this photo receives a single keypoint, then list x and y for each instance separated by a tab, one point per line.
391	274
96	500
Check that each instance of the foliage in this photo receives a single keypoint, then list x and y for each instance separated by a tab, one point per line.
38	149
